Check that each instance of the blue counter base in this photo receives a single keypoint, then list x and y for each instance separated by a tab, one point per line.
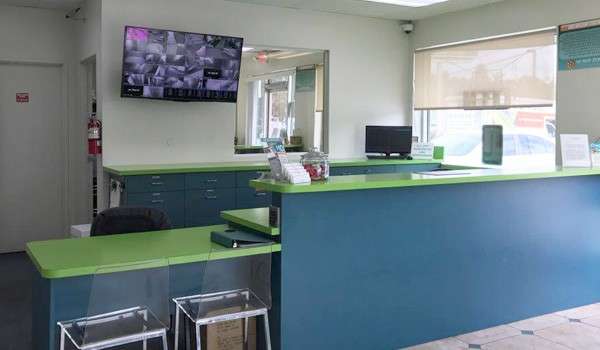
385	269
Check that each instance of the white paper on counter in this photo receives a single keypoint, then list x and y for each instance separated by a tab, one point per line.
575	150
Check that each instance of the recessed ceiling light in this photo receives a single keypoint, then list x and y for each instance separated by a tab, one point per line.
411	3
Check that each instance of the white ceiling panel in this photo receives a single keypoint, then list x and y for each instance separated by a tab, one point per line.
373	9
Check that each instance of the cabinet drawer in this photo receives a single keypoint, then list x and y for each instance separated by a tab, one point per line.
209	180
352	170
154	183
250	198
243	178
173	203
208	203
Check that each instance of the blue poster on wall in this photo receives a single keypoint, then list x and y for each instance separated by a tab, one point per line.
579	45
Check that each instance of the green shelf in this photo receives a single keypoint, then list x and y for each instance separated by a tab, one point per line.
84	256
256	219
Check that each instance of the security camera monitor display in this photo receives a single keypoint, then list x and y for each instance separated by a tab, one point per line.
170	65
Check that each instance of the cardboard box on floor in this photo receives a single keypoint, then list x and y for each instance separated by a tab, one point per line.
230	335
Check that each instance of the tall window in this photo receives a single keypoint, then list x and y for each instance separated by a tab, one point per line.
508	81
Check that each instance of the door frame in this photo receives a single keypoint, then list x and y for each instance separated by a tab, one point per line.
64	127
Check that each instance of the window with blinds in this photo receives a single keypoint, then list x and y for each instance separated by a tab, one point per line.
508	72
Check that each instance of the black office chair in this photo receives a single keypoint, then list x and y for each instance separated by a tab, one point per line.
120	220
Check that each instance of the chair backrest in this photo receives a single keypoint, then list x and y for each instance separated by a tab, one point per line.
129	220
127	299
252	272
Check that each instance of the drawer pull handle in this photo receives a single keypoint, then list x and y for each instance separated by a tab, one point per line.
155	177
212	180
260	194
211	197
158	183
157	201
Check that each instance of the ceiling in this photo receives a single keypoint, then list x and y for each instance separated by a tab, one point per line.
371	9
47	4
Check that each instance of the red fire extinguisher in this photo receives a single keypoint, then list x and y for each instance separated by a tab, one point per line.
94	135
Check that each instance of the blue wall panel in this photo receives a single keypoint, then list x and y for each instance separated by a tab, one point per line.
384	269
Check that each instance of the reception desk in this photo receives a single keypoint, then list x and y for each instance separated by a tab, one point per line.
393	260
66	269
380	261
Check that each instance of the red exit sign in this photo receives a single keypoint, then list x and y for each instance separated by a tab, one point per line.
22	97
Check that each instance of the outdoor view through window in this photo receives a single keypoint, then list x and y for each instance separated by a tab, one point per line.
507	81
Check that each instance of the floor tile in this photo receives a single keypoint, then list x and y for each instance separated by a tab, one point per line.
593	321
577	336
581	312
539	323
489	335
444	344
524	342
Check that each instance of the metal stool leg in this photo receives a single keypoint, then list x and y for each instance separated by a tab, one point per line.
246	330
176	327
198	339
164	340
62	338
267	331
144	328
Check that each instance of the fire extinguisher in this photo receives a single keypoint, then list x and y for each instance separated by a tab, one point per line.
94	135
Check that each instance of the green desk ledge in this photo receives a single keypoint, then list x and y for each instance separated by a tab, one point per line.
256	219
84	256
379	181
130	170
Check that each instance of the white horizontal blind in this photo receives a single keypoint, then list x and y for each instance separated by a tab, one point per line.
507	72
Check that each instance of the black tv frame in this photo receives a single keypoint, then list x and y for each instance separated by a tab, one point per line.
220	100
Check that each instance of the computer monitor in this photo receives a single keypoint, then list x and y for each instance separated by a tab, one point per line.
389	140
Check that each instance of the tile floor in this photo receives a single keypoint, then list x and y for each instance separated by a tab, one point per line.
576	329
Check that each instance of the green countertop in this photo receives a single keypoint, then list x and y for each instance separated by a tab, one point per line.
377	181
129	170
84	256
256	219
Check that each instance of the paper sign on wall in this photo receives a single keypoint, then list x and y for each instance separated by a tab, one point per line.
422	151
575	149
22	97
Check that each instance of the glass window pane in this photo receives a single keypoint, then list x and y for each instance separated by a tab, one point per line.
529	135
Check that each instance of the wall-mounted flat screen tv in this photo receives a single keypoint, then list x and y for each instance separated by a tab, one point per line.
180	66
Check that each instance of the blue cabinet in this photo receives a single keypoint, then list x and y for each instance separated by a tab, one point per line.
209	180
171	202
205	206
155	183
197	199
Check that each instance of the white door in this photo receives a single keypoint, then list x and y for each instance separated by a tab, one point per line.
32	155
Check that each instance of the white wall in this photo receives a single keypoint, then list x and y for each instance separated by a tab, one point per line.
577	107
368	78
45	36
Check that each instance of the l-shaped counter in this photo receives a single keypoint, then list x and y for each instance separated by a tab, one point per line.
384	261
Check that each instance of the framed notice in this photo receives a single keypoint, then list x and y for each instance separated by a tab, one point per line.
579	45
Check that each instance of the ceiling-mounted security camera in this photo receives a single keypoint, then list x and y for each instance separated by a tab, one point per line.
408	27
73	15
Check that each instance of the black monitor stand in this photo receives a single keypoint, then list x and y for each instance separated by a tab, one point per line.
390	157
